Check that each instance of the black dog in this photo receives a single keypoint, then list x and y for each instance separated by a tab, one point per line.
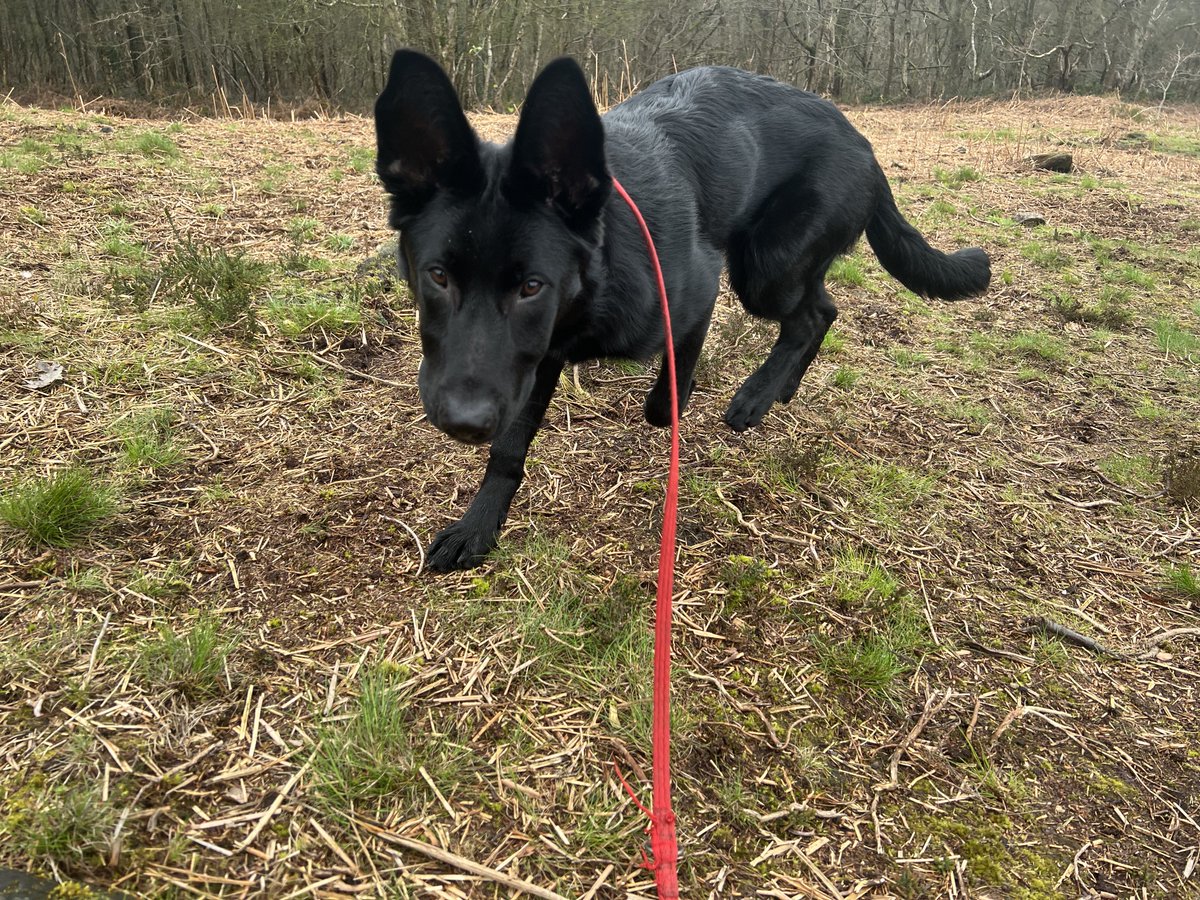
522	259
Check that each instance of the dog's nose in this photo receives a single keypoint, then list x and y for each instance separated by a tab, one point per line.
470	421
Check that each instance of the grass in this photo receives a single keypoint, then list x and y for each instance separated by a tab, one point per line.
1047	257
856	580
68	826
1183	581
153	145
303	230
375	755
57	510
1129	274
833	342
956	178
884	491
957	488
746	581
147	438
847	270
1175	340
1110	310
845	377
117	243
1039	346
867	663
220	284
907	358
191	661
339	243
1131	471
297	311
362	160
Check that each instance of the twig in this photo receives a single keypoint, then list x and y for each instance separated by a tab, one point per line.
273	808
1041	623
353	373
1003	654
599	883
95	650
458	862
758	532
1154	642
928	713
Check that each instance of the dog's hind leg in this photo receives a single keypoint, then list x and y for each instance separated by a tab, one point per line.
799	333
777	266
464	544
827	312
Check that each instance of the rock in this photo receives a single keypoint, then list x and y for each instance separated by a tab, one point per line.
16	885
1053	162
381	265
1028	219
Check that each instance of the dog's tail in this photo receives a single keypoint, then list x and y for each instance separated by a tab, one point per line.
911	261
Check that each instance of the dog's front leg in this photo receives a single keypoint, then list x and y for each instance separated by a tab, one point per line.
465	543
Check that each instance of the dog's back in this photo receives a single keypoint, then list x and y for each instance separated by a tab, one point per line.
735	137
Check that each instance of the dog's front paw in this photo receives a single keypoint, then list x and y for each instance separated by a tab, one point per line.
747	409
461	546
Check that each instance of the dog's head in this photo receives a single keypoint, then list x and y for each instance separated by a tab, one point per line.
496	243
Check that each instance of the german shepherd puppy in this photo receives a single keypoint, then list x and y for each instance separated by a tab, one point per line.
523	259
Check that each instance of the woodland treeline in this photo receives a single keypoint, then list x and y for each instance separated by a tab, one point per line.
336	51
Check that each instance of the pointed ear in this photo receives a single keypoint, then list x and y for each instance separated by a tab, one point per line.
558	151
423	139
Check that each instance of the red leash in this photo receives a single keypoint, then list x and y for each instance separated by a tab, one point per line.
663	846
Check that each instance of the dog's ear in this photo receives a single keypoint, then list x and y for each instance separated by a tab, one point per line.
558	151
423	139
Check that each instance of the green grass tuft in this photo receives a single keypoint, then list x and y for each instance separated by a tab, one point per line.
845	377
958	177
147	438
1047	257
150	144
58	510
299	311
222	285
746	581
1183	581
847	270
1175	340
66	826
303	230
1130	471
1039	346
375	754
192	661
867	663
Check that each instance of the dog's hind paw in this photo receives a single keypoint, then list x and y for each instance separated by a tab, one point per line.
459	547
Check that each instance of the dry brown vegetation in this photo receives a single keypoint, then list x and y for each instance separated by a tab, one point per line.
234	679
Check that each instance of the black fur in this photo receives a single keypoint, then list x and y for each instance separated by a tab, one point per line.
522	259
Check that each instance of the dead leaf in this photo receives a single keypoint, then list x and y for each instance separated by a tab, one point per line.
48	373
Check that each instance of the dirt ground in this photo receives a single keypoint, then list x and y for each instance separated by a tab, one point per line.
938	625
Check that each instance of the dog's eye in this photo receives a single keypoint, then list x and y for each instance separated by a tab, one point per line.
531	287
438	274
